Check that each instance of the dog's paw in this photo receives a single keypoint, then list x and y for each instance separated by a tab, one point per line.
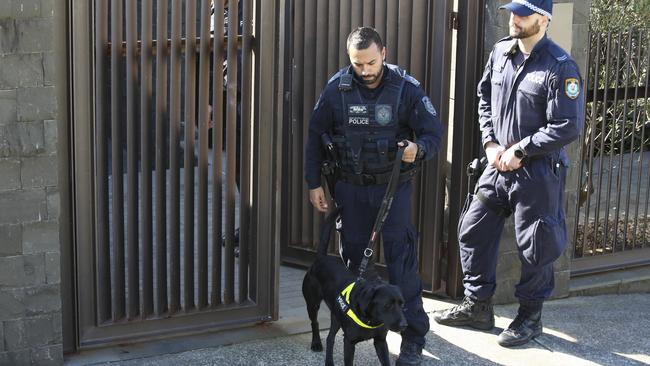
317	347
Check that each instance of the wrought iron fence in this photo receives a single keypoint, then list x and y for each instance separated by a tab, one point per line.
612	226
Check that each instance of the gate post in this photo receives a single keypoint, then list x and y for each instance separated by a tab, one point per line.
266	199
466	146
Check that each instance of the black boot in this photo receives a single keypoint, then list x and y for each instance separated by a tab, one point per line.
410	354
526	326
473	313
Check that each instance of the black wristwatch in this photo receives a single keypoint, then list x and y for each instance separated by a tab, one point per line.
421	152
519	152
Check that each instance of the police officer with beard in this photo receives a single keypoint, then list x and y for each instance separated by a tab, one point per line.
531	106
366	109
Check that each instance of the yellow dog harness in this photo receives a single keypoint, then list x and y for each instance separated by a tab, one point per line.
344	303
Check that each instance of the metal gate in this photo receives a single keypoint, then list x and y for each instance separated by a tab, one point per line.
612	225
418	37
154	183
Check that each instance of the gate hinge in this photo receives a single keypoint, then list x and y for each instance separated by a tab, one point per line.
453	20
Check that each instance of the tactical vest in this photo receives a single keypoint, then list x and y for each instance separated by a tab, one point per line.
366	141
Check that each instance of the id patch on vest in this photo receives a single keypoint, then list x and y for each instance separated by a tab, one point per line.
572	87
358	109
383	114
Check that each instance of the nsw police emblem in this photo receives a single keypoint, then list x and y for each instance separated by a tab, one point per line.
428	106
383	114
572	88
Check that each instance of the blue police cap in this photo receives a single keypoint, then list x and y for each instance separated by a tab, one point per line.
524	8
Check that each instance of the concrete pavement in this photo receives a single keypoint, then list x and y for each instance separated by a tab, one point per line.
598	330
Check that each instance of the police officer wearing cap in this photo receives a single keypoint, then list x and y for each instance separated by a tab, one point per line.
366	109
531	106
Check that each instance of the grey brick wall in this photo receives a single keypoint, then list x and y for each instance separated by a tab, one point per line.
30	296
508	268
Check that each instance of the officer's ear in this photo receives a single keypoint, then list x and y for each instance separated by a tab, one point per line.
545	22
383	54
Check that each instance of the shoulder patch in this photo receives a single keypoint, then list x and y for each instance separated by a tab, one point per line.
429	106
572	87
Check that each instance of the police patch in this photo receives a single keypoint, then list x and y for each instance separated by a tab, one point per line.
572	87
383	114
428	106
357	121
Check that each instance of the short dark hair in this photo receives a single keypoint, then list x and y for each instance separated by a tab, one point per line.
362	37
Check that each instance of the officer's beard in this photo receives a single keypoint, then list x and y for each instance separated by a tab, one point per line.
371	79
521	33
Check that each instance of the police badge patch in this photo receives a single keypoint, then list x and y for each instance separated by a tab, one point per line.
383	114
572	87
429	107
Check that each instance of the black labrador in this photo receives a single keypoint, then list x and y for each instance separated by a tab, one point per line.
365	308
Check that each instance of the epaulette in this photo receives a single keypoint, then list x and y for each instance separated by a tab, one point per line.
401	72
557	52
508	45
506	38
335	76
412	80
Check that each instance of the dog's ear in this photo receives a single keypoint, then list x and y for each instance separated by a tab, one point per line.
365	298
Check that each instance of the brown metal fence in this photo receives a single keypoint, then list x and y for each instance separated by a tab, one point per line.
163	191
612	226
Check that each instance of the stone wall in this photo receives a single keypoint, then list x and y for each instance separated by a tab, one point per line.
30	303
496	27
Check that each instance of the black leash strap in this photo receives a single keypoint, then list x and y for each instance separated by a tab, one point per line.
386	202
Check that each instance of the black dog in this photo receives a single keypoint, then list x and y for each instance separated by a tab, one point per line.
365	308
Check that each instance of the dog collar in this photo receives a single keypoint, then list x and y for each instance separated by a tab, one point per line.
344	303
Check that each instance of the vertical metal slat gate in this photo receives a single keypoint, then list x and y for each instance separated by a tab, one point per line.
418	38
148	165
612	225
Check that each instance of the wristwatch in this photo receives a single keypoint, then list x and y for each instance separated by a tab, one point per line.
519	152
421	152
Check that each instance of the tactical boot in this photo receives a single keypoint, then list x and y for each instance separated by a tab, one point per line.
473	313
526	326
410	354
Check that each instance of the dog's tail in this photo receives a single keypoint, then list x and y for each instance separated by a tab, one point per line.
326	231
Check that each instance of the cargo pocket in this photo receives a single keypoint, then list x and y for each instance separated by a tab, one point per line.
400	252
548	241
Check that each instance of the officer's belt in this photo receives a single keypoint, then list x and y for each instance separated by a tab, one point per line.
372	179
497	208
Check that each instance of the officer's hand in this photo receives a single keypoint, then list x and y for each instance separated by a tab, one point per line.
317	198
493	152
508	160
410	152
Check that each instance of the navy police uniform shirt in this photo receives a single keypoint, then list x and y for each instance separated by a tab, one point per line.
536	101
416	115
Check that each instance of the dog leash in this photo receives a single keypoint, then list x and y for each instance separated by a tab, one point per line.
386	202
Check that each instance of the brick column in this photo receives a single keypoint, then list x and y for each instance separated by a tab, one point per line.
30	299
